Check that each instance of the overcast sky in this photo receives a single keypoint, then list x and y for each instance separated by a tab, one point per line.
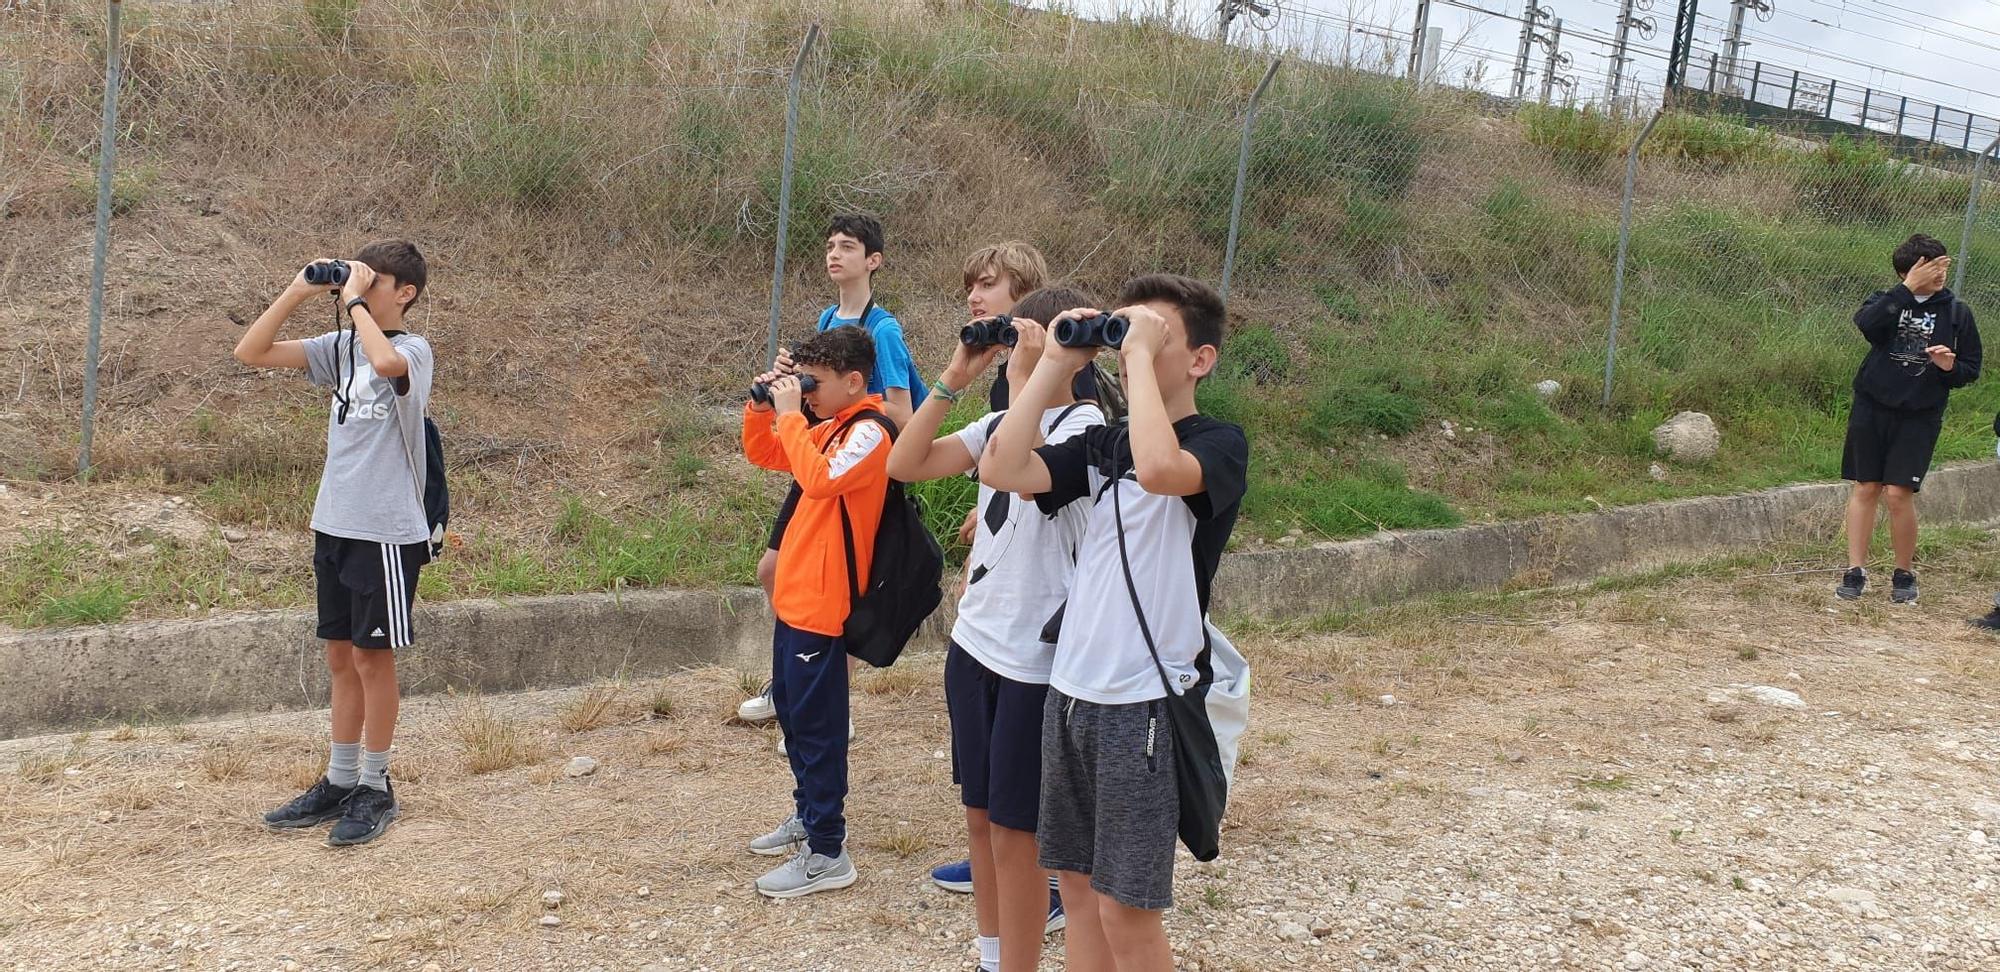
1950	56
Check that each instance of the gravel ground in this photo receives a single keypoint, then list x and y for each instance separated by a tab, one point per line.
1595	780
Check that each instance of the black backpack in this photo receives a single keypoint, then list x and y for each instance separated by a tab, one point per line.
905	579
437	495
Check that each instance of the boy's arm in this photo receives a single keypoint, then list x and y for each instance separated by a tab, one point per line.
1878	318
760	441
1970	352
1011	464
1163	467
259	347
382	355
920	454
860	462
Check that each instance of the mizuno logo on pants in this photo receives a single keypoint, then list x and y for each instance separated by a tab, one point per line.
805	657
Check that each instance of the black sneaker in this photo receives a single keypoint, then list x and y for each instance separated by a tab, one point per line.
316	806
1990	621
1852	584
368	814
1903	587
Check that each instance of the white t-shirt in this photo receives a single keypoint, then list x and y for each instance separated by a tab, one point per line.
371	488
1021	561
1174	545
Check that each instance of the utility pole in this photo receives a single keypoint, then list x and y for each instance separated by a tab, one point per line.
1733	44
1627	20
1682	48
1229	10
1555	61
1417	41
1530	16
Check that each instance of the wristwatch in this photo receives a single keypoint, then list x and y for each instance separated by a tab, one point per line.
356	302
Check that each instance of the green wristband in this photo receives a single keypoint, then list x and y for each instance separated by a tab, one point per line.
938	389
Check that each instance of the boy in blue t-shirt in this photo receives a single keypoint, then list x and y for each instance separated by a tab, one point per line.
853	254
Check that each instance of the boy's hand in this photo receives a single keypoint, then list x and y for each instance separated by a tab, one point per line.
299	287
1028	349
360	277
786	396
1070	360
1942	356
1147	335
783	365
968	363
1928	276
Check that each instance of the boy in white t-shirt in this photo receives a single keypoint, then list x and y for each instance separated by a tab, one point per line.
997	673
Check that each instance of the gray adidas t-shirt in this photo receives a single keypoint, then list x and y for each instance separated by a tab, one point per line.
372	487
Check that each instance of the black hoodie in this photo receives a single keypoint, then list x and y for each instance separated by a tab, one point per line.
1897	373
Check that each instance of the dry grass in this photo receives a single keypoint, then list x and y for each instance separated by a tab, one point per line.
222	762
601	705
489	743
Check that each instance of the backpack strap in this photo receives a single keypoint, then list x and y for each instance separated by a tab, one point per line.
847	525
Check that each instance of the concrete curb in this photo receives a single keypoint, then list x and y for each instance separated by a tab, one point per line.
268	660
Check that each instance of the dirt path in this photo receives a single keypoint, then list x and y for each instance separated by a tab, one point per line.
1563	781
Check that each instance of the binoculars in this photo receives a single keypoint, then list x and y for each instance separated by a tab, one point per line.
1101	331
761	393
327	273
998	329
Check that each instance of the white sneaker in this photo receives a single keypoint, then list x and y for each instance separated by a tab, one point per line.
787	839
806	873
850	738
758	708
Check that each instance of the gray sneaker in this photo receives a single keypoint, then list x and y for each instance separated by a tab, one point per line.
1852	584
787	839
806	873
1902	587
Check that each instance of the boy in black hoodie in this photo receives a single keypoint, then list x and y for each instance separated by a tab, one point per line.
1923	344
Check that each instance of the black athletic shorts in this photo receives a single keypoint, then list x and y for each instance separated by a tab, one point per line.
366	589
1888	446
785	516
996	740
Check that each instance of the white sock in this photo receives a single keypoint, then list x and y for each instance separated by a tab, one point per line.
375	769
989	953
343	768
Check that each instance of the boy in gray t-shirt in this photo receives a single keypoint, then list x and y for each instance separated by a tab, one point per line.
370	531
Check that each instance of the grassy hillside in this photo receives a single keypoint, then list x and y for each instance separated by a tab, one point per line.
596	185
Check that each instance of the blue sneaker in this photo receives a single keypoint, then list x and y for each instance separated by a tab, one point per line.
1057	920
956	876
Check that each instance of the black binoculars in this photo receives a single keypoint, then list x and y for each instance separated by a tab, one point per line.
998	329
1101	331
327	273
761	393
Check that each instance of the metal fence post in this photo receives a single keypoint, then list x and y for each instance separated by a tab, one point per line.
1243	174
785	193
107	159
1971	214
1624	246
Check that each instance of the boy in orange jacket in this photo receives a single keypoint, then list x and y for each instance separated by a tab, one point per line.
841	464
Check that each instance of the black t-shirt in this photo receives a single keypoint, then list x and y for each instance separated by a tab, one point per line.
1173	543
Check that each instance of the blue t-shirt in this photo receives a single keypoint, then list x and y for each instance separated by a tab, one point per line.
894	367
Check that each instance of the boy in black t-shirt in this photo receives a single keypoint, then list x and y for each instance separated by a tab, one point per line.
1166	489
1923	343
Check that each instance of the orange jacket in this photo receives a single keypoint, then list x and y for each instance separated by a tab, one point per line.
811	591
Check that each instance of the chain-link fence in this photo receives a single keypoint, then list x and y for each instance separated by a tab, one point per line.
607	178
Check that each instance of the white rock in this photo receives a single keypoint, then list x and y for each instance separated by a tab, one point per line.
1548	388
1688	437
551	921
552	899
1295	933
1658	472
580	766
1760	694
234	535
1388	700
1977	836
645	891
1635	960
